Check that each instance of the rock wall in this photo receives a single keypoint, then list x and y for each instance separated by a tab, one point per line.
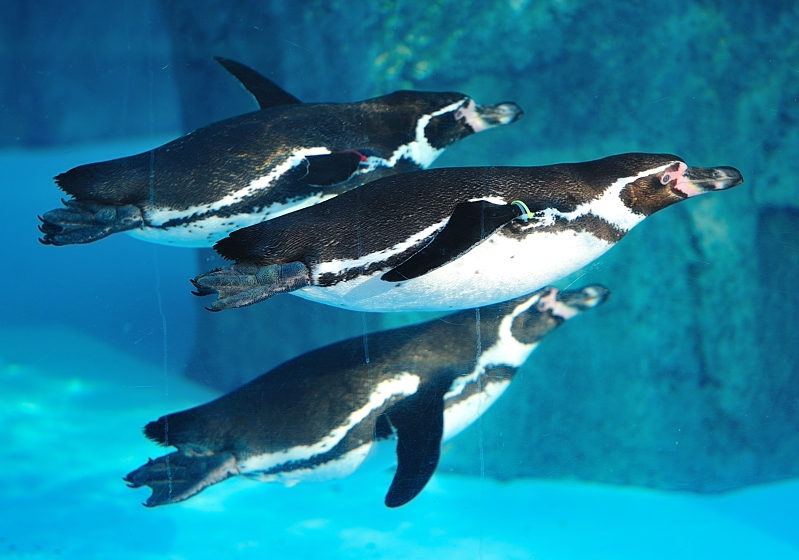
686	379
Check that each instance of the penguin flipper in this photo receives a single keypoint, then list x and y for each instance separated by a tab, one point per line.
469	225
331	169
419	423
84	222
244	284
267	93
177	477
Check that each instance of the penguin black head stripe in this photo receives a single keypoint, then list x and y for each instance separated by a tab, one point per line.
253	167
453	238
320	415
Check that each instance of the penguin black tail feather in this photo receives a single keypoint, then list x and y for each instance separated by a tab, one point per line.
183	473
158	431
117	181
245	245
178	430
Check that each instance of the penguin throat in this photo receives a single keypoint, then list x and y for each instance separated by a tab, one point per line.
419	150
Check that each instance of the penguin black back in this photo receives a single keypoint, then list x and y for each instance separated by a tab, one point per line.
239	171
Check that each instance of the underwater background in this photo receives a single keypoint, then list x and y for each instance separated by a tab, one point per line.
664	424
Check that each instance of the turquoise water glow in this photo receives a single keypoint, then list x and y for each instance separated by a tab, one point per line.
664	424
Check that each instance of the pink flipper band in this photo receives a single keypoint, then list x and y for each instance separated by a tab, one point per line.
351	151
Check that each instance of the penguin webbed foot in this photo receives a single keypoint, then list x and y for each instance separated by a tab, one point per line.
177	477
84	222
244	284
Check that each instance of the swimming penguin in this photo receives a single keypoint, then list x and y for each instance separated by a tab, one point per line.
233	173
453	238
318	416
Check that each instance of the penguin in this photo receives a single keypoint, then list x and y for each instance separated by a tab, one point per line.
288	155
453	238
320	415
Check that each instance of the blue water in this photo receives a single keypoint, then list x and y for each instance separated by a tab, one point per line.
81	366
71	411
121	291
94	338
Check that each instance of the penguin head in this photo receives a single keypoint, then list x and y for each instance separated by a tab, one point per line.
663	179
549	308
448	127
441	118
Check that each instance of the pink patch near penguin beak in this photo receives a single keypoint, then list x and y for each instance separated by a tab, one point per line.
692	181
482	117
550	302
467	113
683	184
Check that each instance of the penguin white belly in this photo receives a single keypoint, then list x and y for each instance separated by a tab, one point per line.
204	232
199	233
378	456
339	467
460	415
499	269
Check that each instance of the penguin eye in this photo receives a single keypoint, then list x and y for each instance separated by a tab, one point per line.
666	179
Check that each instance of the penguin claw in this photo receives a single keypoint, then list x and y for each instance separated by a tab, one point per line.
201	290
84	222
176	477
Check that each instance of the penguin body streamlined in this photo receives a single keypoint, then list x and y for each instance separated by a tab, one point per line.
320	415
237	172
454	238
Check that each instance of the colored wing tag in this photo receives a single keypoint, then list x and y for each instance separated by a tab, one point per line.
267	93
419	421
469	225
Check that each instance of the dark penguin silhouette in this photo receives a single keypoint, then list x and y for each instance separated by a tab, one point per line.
320	415
453	238
233	173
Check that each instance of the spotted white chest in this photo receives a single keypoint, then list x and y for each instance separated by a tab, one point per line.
206	230
499	269
483	391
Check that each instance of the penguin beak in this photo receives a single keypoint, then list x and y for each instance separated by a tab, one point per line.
588	297
698	180
482	117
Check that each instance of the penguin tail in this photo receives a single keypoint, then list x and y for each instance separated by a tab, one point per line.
117	181
158	431
243	246
181	430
